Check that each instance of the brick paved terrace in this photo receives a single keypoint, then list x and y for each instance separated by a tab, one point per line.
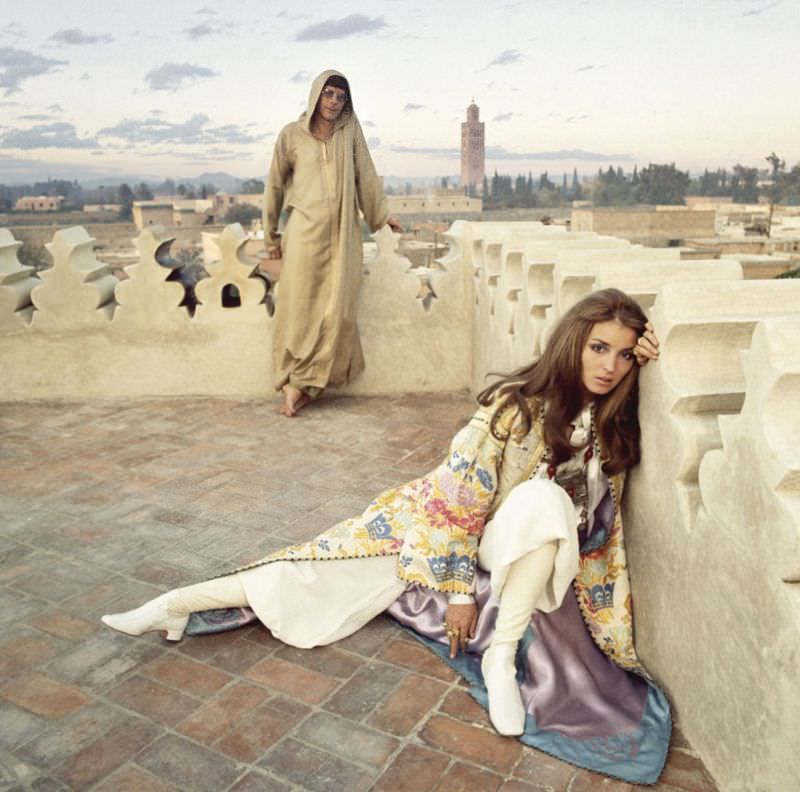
106	504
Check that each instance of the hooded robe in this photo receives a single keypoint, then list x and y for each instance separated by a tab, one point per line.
321	185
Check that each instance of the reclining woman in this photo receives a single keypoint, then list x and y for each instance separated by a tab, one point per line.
479	554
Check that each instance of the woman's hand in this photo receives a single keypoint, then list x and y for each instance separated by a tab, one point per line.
274	252
460	623
646	348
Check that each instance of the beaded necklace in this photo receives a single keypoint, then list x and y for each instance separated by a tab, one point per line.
571	474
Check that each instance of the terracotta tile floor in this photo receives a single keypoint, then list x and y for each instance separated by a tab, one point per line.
105	504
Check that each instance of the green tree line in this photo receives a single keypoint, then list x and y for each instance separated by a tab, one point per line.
655	184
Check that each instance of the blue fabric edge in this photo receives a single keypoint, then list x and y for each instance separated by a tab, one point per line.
653	735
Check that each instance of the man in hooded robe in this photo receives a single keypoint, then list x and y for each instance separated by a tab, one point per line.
321	175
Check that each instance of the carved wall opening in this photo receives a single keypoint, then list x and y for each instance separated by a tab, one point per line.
230	296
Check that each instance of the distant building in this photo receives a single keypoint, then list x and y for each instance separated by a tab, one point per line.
223	201
39	203
104	207
439	202
473	151
657	226
186	212
148	213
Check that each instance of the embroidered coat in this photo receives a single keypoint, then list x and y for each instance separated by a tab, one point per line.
434	524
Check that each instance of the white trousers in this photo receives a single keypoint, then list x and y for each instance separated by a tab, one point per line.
312	603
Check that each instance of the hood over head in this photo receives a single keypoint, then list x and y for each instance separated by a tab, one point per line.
313	99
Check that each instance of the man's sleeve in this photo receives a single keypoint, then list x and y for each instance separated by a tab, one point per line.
279	172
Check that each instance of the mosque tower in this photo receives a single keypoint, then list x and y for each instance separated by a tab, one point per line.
473	151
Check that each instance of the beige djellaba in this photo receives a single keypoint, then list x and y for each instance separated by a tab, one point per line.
321	184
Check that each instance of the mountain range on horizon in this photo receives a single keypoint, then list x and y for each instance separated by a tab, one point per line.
223	181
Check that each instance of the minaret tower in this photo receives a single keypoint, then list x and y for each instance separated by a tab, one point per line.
473	151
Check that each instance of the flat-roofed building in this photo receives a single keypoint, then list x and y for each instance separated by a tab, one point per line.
651	225
104	207
168	212
39	203
148	213
224	201
439	202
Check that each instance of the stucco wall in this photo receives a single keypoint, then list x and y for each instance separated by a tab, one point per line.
76	331
713	511
642	224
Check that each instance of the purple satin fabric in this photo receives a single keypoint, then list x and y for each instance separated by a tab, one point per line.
569	686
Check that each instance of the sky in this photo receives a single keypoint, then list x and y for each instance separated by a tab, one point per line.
175	89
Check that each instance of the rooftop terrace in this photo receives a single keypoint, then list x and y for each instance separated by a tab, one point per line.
106	503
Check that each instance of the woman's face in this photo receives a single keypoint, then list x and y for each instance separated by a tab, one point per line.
607	357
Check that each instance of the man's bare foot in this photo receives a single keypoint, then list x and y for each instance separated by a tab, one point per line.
293	400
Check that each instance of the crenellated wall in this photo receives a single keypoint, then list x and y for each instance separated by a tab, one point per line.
76	331
712	512
715	514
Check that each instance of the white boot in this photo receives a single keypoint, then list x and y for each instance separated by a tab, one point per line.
500	676
153	615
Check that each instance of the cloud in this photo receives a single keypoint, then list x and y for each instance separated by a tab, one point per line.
206	11
286	15
194	130
12	30
506	57
373	142
368	123
22	170
444	153
503	117
301	77
19	65
210	155
573	119
35	117
75	36
54	135
410	107
589	67
761	10
55	108
215	28
500	153
173	76
340	28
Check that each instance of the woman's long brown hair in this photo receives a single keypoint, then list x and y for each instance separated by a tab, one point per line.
555	378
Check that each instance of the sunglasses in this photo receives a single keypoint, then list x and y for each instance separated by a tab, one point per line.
334	95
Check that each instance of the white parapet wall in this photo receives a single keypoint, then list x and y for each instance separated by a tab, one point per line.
76	331
712	512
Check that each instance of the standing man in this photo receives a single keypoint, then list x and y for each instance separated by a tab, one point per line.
321	174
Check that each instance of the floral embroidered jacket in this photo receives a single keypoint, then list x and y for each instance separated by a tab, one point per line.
434	524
